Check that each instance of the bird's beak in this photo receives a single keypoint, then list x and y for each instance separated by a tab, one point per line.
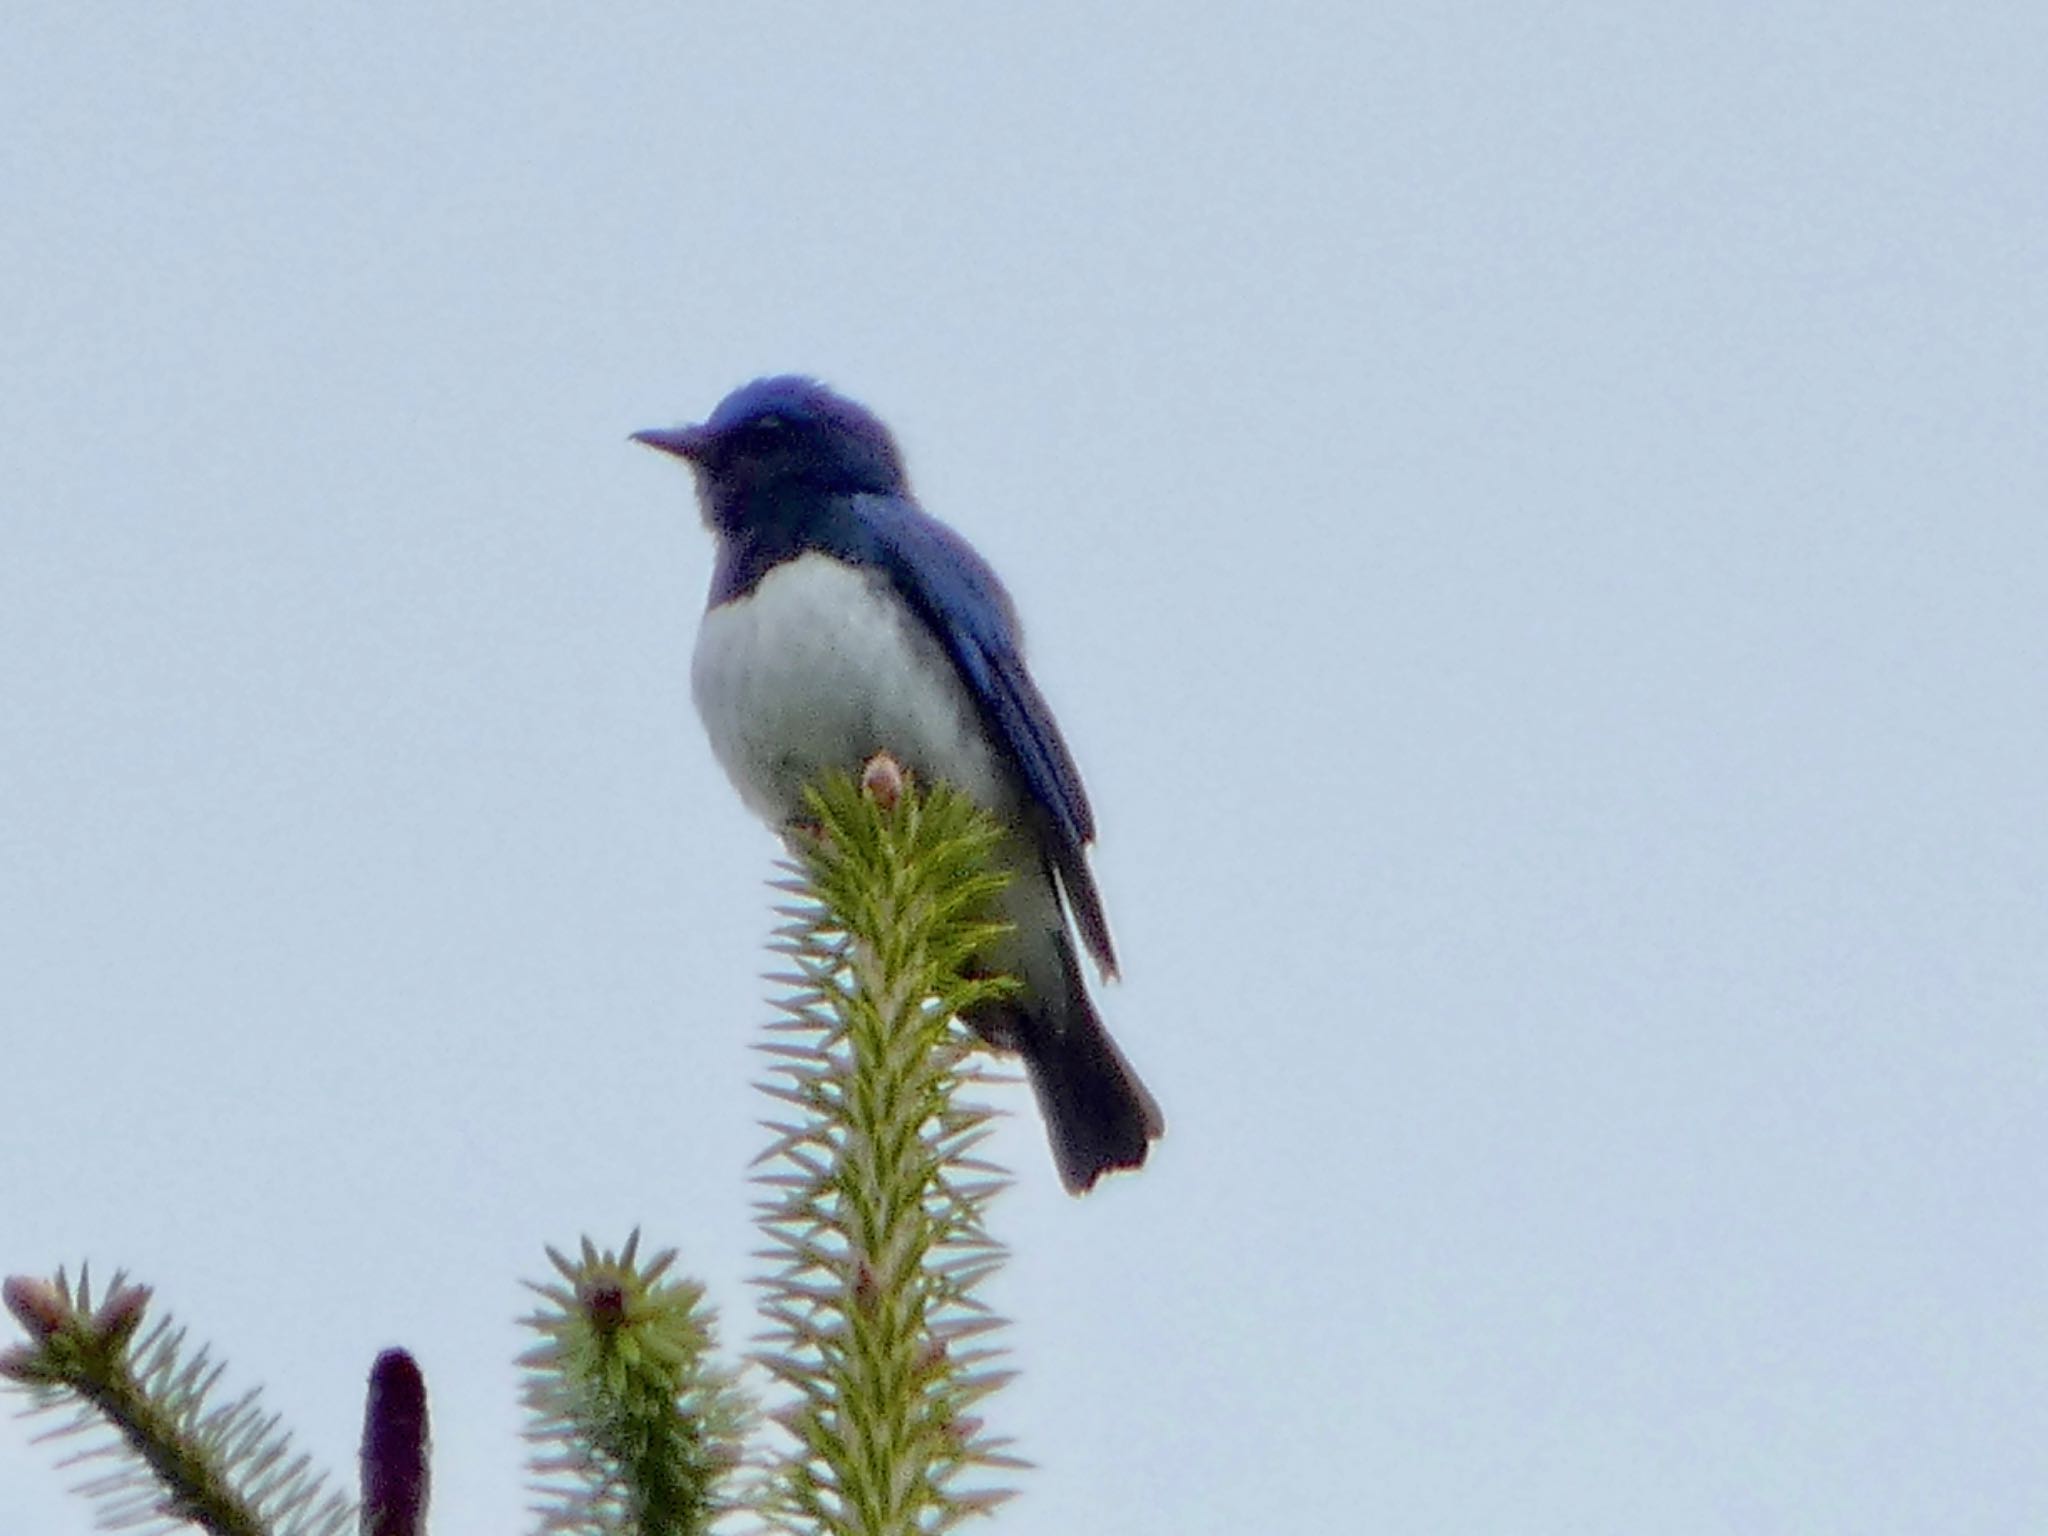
684	442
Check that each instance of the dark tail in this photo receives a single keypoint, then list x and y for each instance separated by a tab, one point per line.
1098	1116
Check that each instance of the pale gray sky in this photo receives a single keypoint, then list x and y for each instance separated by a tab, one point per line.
1533	522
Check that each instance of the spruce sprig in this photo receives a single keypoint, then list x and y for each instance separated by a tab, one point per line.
637	1428
876	1201
179	1457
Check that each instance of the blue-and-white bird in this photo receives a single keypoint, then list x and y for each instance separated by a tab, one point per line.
844	621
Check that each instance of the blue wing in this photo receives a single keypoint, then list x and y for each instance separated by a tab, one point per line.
954	591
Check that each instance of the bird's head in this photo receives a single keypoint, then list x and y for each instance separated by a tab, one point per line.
781	437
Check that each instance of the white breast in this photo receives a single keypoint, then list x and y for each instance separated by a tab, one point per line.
820	667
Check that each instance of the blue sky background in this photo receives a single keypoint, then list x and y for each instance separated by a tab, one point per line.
1533	521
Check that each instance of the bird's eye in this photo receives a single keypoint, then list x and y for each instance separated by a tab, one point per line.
761	438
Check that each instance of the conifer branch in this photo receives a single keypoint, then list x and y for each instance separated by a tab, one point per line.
228	1469
875	1202
635	1428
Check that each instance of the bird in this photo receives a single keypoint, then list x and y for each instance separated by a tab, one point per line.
844	621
